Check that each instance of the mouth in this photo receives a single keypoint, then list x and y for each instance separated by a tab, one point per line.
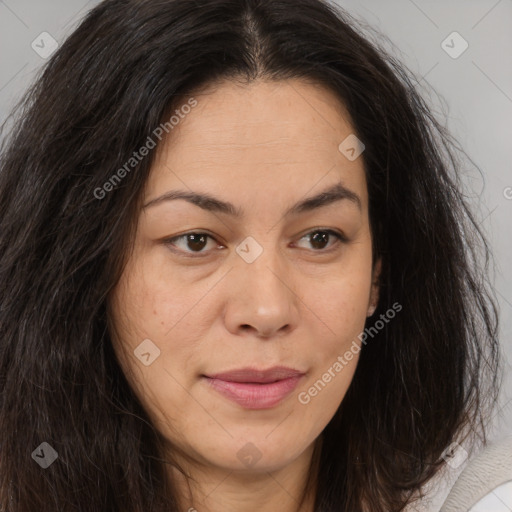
255	389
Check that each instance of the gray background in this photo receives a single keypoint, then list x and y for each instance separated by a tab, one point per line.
476	87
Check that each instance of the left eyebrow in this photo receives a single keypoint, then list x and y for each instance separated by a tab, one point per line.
337	192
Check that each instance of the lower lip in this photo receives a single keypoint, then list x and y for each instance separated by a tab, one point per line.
255	396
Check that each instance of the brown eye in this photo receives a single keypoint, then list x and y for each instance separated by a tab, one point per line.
320	238
190	243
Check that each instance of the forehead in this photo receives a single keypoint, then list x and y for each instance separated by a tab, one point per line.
267	135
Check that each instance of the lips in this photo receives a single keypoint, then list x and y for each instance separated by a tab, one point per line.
249	375
256	389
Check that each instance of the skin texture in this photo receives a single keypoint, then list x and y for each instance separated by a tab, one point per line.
301	304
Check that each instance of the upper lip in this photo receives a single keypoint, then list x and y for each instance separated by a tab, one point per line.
258	376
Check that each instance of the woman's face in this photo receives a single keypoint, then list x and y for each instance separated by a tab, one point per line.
270	287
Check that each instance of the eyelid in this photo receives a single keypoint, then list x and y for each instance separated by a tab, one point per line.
340	236
333	231
168	242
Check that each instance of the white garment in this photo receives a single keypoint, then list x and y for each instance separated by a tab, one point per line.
498	500
482	484
482	481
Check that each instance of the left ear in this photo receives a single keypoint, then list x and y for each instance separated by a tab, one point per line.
374	293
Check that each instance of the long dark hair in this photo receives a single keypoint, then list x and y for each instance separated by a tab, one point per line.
428	379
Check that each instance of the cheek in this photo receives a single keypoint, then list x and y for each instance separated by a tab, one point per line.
321	396
153	300
341	304
159	380
335	356
146	307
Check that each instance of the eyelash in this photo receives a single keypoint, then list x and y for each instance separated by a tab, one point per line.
341	238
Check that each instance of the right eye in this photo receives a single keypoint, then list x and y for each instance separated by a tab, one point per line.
195	241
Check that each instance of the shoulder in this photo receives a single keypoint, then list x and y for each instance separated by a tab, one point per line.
435	491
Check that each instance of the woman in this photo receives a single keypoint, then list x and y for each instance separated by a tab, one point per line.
239	270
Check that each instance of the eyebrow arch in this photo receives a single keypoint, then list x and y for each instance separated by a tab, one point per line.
210	203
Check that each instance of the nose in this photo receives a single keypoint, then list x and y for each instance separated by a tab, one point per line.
262	302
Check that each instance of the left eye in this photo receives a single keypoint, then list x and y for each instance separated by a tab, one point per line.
196	242
320	237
